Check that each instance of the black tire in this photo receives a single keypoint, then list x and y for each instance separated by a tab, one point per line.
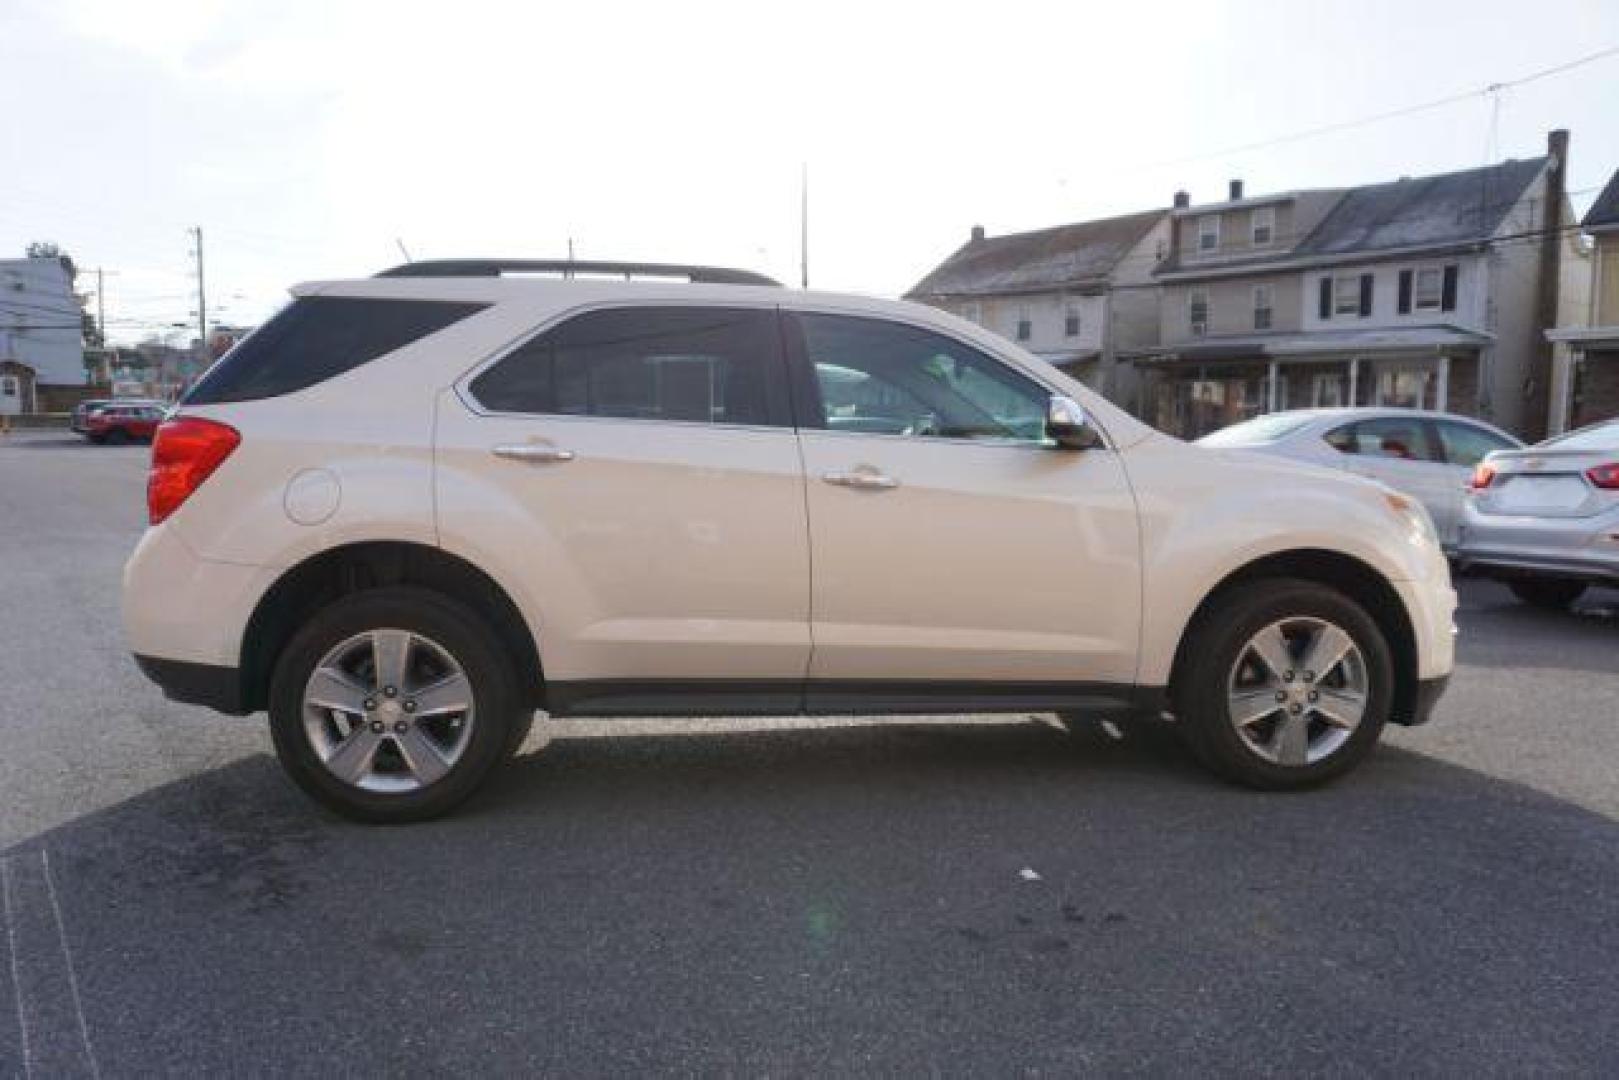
498	706
117	437
1213	647
1554	594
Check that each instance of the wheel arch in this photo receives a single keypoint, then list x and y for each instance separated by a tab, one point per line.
1351	576
335	572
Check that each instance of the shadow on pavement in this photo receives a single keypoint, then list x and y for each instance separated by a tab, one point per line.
874	899
1505	632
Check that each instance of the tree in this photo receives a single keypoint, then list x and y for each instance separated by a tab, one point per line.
47	249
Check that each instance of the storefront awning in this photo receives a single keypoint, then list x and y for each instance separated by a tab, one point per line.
1067	357
1322	344
1586	337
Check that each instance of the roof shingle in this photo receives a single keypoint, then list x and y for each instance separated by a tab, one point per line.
1604	213
1068	255
1425	211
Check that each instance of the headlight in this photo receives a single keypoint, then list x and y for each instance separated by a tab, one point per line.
1413	513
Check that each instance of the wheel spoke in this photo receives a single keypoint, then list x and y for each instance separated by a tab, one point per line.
1326	649
390	650
1272	649
1341	708
333	688
1250	706
1291	743
422	755
451	694
352	759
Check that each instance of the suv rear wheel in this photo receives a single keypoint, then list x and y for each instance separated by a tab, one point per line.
1552	593
393	705
1285	684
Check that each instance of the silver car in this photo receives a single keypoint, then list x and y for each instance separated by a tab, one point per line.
1546	519
1429	456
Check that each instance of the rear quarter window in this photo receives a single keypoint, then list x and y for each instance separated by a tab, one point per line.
316	338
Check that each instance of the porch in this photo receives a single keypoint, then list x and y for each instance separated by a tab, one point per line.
1203	387
1585	377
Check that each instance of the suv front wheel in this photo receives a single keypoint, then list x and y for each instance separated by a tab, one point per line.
1284	684
393	705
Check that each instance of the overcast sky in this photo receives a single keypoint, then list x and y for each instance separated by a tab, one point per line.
308	139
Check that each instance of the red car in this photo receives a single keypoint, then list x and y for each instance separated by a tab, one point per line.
117	423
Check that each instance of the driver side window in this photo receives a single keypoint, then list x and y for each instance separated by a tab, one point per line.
886	378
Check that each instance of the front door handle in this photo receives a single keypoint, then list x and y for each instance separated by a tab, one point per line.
865	481
532	452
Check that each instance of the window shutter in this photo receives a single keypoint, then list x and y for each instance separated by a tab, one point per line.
1366	294
1447	300
1405	292
1326	298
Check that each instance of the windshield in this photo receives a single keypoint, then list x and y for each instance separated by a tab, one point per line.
1603	436
1261	429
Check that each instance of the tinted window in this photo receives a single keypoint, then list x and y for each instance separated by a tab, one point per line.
317	337
1399	437
694	365
1467	445
891	379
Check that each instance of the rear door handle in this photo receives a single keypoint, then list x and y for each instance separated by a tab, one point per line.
532	452
865	481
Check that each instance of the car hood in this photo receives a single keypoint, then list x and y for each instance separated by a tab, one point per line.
1270	461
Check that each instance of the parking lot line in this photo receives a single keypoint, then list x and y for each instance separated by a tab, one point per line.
55	1033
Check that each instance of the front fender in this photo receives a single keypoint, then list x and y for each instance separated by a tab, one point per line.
1207	514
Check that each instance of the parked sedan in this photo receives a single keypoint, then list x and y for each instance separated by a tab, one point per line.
1546	519
1429	456
82	411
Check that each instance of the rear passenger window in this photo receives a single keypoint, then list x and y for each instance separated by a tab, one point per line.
318	337
1389	437
684	364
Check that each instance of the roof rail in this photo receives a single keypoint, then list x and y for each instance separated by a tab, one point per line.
697	275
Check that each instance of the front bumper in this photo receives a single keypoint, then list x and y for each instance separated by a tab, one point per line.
1431	606
1429	691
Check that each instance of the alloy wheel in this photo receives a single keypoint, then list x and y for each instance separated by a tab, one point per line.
1297	691
389	711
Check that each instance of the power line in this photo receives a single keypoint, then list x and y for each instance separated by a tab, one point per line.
1393	114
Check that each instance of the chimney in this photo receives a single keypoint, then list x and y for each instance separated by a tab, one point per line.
978	232
1182	200
1557	147
1537	420
1236	191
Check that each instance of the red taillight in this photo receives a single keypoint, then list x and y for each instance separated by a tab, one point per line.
1605	477
1483	476
186	451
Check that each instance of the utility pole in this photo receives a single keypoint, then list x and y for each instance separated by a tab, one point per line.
202	304
101	314
101	305
202	290
803	225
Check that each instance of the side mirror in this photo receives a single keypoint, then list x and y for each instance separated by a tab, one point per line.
1067	425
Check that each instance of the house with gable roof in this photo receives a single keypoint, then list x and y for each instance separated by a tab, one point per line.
1076	295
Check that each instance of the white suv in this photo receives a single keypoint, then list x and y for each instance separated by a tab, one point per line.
411	510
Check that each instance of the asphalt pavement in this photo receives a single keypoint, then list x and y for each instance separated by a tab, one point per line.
994	896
